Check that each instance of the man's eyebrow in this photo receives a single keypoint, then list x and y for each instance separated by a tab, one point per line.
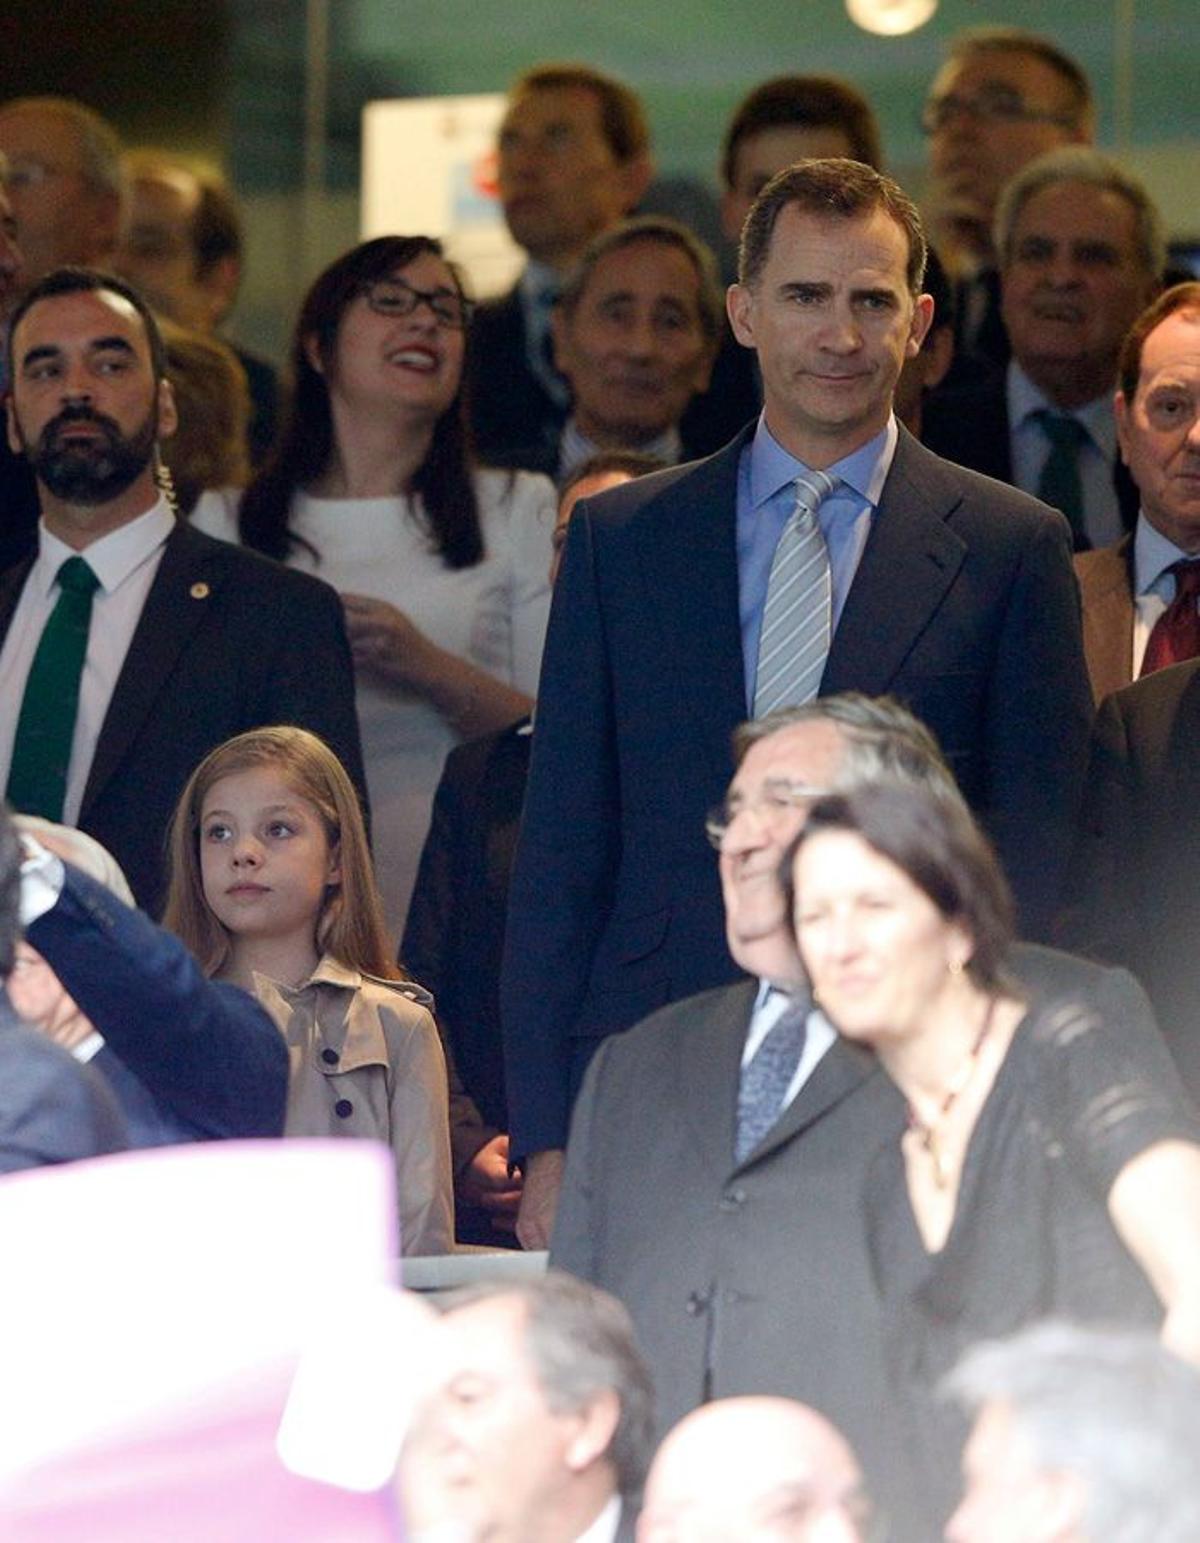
115	341
36	355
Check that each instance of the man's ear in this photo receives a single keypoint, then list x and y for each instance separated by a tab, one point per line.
636	176
937	354
560	338
220	284
739	307
596	1425
168	413
1120	413
312	352
10	417
922	320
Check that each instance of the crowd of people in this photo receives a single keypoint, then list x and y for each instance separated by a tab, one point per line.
866	1148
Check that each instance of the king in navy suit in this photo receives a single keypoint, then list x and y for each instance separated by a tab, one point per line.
946	589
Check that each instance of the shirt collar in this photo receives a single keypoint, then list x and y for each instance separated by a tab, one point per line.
1153	554
539	285
113	557
864	470
1025	399
604	1528
576	448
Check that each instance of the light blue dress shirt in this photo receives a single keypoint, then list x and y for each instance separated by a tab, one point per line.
1029	450
766	501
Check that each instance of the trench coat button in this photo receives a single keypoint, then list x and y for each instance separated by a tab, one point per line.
343	1108
330	1057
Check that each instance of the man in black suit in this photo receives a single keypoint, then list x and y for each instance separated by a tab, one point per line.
939	586
179	641
574	159
1137	898
1081	254
742	1257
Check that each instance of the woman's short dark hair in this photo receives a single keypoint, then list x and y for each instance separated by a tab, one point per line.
305	447
935	843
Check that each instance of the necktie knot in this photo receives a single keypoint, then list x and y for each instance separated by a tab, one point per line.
1187	578
812	489
1063	432
77	577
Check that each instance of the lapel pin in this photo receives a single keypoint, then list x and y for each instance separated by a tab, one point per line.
200	591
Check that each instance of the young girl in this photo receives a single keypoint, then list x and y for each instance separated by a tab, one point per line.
272	889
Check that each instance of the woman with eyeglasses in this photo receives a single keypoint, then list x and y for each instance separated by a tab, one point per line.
442	565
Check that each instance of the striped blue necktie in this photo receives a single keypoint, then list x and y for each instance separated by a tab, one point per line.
796	619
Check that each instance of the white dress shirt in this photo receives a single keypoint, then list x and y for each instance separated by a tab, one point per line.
1153	586
125	561
769	1006
1030	449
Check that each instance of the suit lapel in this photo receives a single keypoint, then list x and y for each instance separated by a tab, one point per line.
839	1071
710	1058
1106	587
692	554
911	559
177	604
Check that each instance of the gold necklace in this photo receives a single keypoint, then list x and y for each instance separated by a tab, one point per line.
929	1132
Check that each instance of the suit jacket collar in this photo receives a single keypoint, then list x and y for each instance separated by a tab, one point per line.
709	1071
1106	589
177	604
911	559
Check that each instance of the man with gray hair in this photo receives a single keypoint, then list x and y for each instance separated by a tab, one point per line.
65	182
635	331
1081	252
1080	1436
718	1151
539	1424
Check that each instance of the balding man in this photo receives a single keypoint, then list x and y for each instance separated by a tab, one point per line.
744	1469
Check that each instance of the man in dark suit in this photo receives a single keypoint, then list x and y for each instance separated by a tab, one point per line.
1139	593
159	643
938	586
1081	254
1138	902
574	159
741	1253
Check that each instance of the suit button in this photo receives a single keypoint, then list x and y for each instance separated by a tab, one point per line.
697	1303
343	1108
732	1199
330	1057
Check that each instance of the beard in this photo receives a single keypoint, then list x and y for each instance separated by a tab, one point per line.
90	471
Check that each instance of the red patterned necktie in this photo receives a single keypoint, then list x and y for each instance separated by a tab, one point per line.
1176	633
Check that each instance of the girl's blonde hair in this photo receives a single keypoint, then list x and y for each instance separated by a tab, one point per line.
350	925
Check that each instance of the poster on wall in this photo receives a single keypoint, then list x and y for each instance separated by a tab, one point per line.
429	167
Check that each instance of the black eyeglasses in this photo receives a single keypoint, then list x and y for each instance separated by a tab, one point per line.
397	297
991	104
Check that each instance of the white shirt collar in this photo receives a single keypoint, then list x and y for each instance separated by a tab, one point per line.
113	557
604	1528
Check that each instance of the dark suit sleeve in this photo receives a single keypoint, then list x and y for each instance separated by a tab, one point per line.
1039	715
207	1051
566	856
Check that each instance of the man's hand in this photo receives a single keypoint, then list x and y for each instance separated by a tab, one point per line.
485	1183
539	1201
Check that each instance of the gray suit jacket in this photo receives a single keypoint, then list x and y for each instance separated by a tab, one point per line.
753	1278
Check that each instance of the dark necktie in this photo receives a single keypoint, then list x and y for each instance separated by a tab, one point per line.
1060	484
1176	634
37	778
765	1081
